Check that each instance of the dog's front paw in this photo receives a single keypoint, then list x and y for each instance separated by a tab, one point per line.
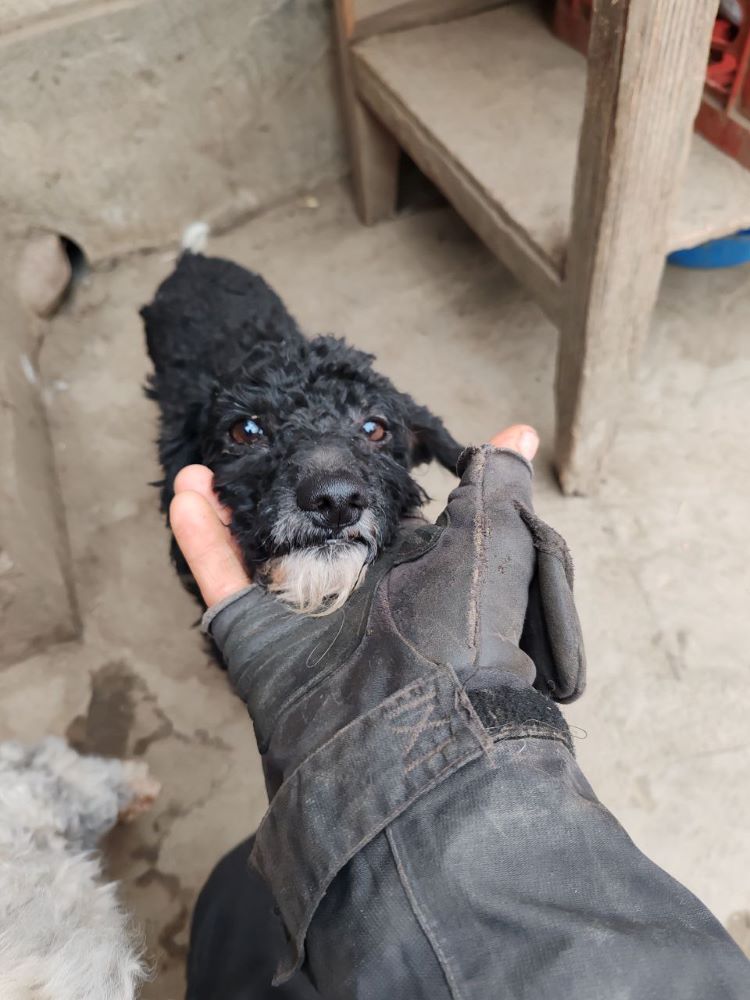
140	792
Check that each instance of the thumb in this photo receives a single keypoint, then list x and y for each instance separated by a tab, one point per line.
205	543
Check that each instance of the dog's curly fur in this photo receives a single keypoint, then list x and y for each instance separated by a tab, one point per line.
225	350
63	934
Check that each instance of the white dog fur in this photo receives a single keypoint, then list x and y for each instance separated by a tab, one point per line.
63	934
319	580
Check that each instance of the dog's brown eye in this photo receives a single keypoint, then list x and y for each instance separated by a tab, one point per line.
375	429
246	431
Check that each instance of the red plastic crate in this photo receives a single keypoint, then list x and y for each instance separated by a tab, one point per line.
724	114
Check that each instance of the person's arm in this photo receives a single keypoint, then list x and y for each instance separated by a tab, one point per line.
430	833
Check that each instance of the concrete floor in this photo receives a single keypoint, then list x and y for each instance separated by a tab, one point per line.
661	553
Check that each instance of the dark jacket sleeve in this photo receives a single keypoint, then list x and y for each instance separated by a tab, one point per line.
512	881
430	834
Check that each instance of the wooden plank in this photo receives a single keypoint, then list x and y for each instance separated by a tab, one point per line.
505	98
509	241
647	63
374	154
376	17
485	89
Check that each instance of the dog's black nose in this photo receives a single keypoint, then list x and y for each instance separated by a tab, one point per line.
335	499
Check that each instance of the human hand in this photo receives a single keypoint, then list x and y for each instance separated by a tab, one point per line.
201	524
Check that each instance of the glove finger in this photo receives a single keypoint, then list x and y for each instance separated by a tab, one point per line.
464	601
552	634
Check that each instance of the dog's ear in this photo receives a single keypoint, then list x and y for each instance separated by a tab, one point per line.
184	397
179	445
430	439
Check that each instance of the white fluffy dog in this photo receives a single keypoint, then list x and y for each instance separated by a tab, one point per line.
63	935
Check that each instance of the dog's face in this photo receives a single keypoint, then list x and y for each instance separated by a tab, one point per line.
311	450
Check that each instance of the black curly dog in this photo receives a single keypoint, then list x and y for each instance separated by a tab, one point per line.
310	448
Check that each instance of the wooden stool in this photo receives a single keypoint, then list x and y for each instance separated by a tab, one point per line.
580	182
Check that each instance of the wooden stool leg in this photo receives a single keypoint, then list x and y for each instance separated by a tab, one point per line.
373	152
375	158
647	61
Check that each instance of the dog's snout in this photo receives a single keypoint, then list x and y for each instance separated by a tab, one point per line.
336	500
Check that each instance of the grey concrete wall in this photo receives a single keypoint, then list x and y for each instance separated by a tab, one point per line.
125	120
37	605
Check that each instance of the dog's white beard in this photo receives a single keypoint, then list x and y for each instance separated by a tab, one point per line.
318	580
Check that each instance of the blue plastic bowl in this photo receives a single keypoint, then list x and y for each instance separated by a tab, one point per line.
729	251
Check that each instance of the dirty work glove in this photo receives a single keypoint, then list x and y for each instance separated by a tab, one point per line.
492	594
411	680
430	835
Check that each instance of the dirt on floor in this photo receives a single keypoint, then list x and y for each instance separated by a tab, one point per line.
663	573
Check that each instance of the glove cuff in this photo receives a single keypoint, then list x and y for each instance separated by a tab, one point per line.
215	610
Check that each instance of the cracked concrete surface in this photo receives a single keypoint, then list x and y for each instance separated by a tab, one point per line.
661	553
